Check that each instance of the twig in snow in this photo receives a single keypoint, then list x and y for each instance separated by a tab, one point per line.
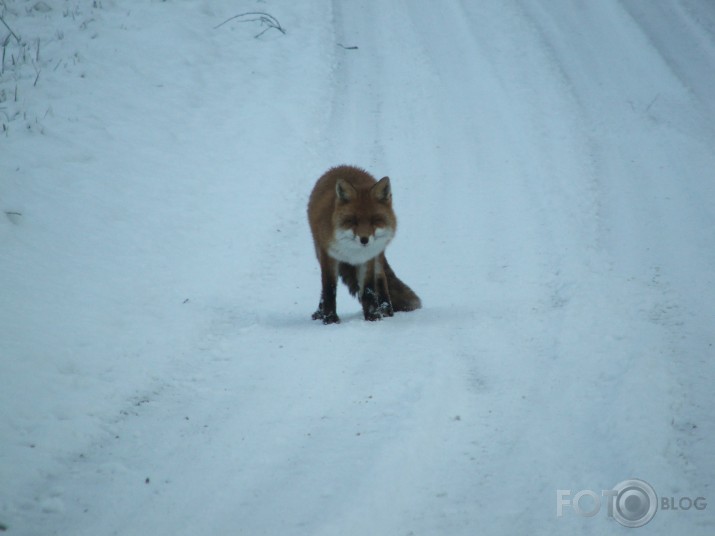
347	48
10	30
4	48
13	216
257	16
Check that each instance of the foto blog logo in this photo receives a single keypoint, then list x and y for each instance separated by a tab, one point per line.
633	503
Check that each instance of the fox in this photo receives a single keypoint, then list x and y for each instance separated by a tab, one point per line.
352	222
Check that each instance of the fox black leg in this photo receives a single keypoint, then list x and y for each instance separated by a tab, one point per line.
368	292
370	306
384	306
326	308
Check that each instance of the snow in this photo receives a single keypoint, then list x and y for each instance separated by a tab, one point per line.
552	171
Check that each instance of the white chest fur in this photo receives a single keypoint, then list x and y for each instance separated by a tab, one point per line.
346	246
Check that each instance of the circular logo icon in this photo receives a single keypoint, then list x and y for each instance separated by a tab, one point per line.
635	503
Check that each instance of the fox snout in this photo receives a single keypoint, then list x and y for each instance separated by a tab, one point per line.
364	240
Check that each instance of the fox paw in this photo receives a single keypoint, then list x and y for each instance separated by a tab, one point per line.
331	318
385	309
327	318
373	315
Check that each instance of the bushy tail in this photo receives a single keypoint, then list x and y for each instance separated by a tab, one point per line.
403	298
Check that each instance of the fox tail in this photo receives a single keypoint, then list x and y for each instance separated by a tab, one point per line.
403	297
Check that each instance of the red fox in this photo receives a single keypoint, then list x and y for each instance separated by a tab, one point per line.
352	221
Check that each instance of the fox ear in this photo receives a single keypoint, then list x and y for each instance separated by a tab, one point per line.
344	190
382	191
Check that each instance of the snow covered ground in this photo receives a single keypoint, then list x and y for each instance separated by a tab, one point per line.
553	169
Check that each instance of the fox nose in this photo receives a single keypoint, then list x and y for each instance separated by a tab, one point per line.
364	240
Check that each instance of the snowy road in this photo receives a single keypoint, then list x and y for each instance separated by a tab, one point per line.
552	168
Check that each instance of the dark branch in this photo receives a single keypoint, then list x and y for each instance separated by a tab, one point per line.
10	29
258	16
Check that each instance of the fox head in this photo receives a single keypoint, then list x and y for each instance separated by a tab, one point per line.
364	220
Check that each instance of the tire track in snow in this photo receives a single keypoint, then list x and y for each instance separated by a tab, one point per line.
356	107
655	69
448	147
588	342
494	407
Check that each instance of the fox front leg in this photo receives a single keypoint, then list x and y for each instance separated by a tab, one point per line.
383	296
368	291
329	278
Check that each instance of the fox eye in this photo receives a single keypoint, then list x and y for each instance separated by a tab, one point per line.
350	221
377	221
